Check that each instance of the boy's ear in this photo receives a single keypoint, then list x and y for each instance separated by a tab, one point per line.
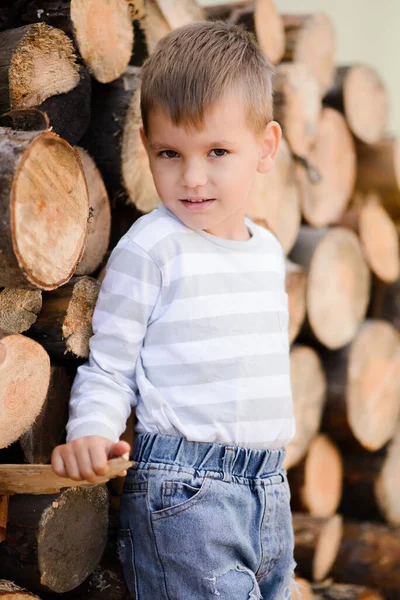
269	146
143	137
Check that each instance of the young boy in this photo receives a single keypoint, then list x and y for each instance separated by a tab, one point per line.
190	328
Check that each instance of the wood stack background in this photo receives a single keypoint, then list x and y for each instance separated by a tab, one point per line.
74	177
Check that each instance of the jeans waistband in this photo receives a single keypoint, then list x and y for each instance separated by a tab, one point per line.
207	456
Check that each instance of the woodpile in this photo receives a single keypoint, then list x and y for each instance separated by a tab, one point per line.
74	177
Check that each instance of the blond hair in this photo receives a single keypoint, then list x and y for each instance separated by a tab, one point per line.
193	66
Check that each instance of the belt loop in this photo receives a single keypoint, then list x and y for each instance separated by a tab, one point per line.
227	463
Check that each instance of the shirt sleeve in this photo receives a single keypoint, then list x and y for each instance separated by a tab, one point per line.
104	389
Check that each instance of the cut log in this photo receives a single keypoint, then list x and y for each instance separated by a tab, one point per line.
180	14
310	39
103	139
55	541
41	185
363	387
10	591
154	24
99	225
370	555
378	234
316	483
316	544
64	325
333	154
41	479
48	430
262	18
309	388
385	302
338	283
37	61
296	282
379	169
104	34
136	173
274	198
25	377
359	93
19	309
4	501
344	591
25	119
297	105
69	113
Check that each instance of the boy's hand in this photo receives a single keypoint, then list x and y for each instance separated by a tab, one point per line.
86	457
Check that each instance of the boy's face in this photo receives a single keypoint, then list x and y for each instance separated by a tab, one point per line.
217	163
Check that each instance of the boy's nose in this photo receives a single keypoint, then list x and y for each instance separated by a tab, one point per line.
194	176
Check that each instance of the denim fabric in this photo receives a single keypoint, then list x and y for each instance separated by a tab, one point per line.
203	520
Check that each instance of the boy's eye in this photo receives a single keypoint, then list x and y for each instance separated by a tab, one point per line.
219	151
169	154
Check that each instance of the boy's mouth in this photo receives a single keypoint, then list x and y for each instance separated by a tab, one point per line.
197	203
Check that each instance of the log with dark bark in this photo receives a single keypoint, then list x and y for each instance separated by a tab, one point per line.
370	555
316	482
378	169
55	541
363	388
338	283
378	234
359	93
48	430
344	591
274	198
309	389
19	309
25	119
64	325
41	183
4	502
99	225
25	377
104	136
310	40
385	302
297	105
333	155
296	282
22	85
261	17
102	30
316	544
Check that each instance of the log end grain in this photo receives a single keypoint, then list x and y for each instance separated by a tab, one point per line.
19	309
296	283
25	377
269	29
104	33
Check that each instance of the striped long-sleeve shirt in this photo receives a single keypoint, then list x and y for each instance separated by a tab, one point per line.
192	330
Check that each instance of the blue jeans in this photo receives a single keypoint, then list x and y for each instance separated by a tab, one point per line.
204	520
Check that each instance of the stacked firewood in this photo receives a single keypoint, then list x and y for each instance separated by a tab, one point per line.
69	117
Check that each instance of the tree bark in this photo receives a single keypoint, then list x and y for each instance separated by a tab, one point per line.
19	309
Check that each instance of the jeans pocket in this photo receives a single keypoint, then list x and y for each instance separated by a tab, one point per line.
126	556
178	495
